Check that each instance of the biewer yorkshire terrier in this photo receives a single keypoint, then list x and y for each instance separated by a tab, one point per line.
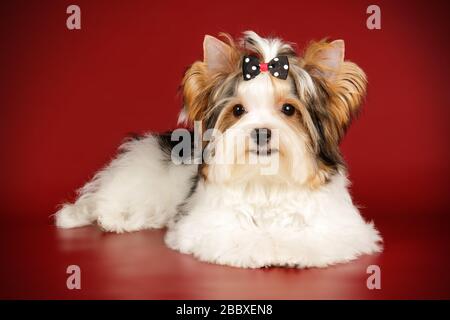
266	184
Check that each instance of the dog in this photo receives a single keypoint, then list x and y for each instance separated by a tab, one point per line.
290	112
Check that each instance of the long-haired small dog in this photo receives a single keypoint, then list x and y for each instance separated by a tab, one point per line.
289	113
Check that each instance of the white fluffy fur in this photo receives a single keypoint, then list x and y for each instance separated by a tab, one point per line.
268	47
252	226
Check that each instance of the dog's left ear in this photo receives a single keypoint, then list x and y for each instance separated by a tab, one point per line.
325	58
343	83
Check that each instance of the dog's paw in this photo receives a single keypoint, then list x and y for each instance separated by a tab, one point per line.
234	248
72	216
117	222
319	250
246	257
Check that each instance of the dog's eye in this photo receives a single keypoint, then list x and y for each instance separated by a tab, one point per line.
288	109
238	110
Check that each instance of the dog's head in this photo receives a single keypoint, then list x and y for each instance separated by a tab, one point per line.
298	120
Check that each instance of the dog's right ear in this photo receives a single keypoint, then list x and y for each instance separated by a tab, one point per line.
219	58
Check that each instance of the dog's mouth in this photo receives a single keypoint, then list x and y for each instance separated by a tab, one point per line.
263	151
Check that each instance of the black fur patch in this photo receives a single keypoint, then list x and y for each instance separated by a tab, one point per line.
166	145
328	148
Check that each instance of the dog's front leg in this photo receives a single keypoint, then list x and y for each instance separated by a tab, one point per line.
223	237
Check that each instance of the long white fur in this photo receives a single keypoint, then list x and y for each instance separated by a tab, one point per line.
269	47
252	225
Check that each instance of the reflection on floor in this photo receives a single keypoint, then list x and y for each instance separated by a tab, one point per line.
34	257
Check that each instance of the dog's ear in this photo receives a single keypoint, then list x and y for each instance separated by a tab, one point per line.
217	55
219	59
325	58
343	82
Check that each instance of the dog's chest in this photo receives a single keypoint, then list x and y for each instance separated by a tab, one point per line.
267	208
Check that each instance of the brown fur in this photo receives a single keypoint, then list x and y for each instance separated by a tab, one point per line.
345	87
339	93
200	85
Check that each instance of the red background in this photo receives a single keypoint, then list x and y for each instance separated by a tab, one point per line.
67	99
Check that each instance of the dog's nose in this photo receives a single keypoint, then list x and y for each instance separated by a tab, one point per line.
261	136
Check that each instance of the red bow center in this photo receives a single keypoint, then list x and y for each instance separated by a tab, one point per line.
263	67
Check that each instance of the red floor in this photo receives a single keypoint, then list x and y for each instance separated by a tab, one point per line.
34	256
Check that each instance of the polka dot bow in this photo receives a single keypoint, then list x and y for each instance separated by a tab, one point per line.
278	67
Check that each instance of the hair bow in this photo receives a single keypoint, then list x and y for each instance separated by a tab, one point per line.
278	67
